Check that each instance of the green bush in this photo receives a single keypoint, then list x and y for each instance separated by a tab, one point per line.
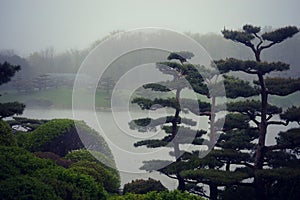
68	184
143	186
25	187
92	156
6	136
60	161
61	136
32	175
17	161
107	177
44	134
165	195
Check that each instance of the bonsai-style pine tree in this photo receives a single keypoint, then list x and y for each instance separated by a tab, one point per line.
9	109
262	114
178	130
235	136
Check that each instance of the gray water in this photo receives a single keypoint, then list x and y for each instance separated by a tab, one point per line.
115	130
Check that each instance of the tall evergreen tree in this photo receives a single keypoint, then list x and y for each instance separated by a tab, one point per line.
178	130
7	71
261	113
214	170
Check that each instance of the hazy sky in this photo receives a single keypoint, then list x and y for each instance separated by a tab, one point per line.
31	25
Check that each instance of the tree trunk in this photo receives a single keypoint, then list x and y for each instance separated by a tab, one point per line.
181	183
213	190
259	157
260	150
212	135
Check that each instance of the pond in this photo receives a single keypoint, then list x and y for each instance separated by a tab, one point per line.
115	130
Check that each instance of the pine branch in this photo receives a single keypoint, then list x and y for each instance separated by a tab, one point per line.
284	123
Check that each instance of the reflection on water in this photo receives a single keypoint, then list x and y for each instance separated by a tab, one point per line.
121	139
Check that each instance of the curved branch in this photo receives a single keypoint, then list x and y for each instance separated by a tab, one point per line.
278	123
267	46
260	41
277	147
252	117
247	165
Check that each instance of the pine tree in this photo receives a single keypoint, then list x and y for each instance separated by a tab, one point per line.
235	136
178	130
7	71
261	113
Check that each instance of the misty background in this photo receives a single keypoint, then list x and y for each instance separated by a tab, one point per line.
50	39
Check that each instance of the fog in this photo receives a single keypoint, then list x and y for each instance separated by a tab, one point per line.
32	25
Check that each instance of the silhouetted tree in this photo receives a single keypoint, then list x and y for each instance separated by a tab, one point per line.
178	130
261	113
7	71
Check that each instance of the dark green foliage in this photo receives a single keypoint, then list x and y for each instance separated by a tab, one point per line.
158	196
17	161
56	158
236	120
10	109
281	158
178	130
141	186
25	176
242	37
147	104
60	136
156	87
237	192
108	178
238	139
26	187
251	107
250	33
44	134
6	136
68	184
250	66
183	56
81	155
7	71
148	124
232	155
91	163
216	176
248	28
273	165
91	156
289	139
30	174
280	34
154	143
282	86
292	114
238	88
284	181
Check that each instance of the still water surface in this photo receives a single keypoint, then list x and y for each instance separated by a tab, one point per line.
115	130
